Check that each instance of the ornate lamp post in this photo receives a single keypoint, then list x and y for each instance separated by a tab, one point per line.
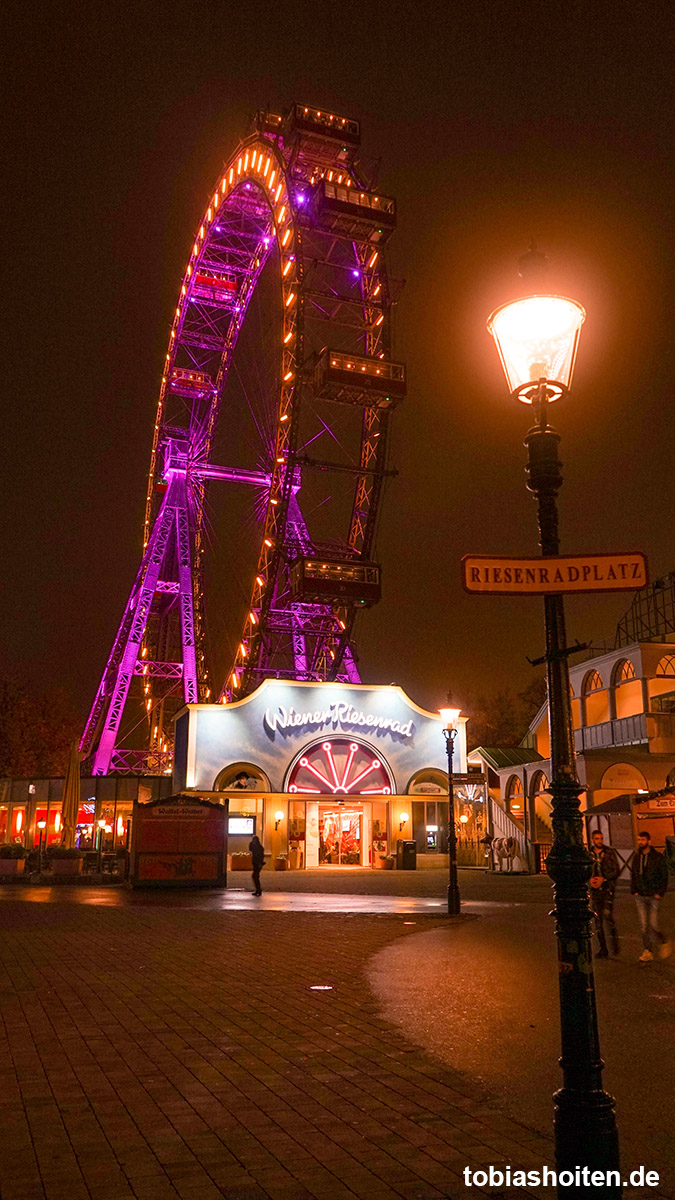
450	719
537	339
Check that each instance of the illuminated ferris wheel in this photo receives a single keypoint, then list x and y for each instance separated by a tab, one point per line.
273	414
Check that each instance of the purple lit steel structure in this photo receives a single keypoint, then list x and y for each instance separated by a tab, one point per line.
294	192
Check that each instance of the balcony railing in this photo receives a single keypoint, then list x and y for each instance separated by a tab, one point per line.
624	731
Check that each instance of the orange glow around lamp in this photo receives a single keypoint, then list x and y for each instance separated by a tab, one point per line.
403	820
537	340
450	719
278	816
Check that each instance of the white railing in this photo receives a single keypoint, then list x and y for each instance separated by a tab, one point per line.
503	826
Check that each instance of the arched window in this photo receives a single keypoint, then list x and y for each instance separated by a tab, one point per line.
624	671
539	783
623	777
242	777
666	665
514	798
429	782
670	778
542	808
592	683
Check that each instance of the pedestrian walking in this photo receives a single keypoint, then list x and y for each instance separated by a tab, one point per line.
649	881
258	862
606	871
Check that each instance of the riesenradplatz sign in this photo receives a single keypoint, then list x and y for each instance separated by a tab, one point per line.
495	575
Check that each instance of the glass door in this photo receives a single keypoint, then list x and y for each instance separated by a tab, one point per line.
340	835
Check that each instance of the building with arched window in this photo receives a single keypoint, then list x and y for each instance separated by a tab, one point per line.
623	709
326	773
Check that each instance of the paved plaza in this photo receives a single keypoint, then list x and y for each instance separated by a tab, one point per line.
204	1044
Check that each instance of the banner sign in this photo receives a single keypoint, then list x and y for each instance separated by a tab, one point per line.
495	575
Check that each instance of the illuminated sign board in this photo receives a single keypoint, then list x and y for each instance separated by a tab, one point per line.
495	575
337	715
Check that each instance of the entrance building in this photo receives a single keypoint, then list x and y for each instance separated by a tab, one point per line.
327	774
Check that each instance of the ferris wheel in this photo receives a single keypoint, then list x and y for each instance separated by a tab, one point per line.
278	385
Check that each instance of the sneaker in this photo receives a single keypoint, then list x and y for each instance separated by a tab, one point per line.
646	956
602	954
665	950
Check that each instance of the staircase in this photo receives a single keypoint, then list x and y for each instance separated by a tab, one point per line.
504	826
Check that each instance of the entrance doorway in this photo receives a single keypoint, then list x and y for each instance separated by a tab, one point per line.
340	835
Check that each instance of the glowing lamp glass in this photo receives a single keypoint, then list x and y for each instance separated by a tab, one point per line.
404	818
42	824
278	816
537	338
449	717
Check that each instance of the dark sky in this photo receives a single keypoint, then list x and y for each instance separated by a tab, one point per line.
496	122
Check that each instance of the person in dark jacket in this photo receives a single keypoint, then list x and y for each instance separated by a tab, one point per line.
603	882
258	862
649	881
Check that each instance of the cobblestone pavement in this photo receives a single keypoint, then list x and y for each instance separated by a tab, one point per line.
158	1050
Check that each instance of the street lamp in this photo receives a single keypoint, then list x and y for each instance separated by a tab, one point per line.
537	339
450	719
42	825
101	828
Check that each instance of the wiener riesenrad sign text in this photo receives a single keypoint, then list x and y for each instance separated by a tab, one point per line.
495	575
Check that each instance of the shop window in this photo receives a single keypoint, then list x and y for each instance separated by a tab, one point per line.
670	778
123	811
428	782
4	818
85	824
296	833
18	823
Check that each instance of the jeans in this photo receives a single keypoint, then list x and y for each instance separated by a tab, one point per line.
602	902
256	880
648	912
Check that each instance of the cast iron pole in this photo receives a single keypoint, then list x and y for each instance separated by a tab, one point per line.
454	902
584	1115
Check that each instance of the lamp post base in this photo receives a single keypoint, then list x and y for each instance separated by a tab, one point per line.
454	902
586	1135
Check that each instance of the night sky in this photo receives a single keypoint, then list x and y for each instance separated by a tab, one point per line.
496	123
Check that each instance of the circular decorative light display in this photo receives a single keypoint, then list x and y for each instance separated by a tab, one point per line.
340	768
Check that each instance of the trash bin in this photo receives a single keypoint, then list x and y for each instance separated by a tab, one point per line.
406	855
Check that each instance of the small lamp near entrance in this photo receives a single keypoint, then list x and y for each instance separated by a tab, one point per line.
450	719
278	818
403	820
